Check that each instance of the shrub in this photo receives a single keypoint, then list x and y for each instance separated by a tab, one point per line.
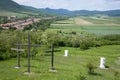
114	37
81	77
91	68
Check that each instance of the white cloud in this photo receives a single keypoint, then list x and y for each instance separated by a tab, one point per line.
48	3
21	1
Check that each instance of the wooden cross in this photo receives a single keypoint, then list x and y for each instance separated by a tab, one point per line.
18	53
52	57
29	46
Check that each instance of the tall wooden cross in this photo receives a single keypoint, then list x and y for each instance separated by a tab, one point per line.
18	53
29	46
52	57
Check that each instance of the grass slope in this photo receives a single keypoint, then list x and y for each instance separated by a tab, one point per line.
68	68
10	13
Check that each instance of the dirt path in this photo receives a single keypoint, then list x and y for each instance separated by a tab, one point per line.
79	21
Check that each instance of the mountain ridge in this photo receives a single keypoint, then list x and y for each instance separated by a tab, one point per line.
10	5
81	12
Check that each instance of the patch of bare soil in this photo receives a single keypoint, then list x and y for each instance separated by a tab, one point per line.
80	21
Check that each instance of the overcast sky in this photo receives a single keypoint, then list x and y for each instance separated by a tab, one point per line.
73	4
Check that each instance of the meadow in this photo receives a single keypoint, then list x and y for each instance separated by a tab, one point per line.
73	67
9	13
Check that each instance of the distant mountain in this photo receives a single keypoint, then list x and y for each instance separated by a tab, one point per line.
9	5
80	12
55	11
86	12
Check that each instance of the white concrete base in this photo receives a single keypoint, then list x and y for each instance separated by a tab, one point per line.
16	67
27	73
53	70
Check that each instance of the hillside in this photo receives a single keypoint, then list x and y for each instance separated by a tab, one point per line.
86	12
9	8
9	5
80	12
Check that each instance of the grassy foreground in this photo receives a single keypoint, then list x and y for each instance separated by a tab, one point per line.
68	68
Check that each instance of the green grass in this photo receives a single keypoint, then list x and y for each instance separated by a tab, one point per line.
66	28
67	68
69	21
9	13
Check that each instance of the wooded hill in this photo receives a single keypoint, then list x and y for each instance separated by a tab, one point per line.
11	6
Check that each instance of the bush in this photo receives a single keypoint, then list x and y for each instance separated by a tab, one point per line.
91	68
114	37
81	77
86	44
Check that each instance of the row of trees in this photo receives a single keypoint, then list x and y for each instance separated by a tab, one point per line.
8	39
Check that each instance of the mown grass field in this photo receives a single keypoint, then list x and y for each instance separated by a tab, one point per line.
20	14
68	68
9	13
98	27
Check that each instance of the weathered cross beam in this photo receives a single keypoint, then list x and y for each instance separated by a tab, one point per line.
17	49
29	46
18	53
52	57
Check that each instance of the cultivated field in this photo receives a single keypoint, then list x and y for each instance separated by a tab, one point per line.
88	25
102	20
73	67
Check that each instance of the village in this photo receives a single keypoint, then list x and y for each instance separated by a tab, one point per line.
20	24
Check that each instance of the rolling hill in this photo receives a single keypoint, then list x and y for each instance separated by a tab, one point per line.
9	7
80	12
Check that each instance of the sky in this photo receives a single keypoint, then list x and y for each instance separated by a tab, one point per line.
73	4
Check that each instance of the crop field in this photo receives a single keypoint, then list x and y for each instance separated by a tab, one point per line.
70	21
102	19
66	28
102	30
73	67
86	25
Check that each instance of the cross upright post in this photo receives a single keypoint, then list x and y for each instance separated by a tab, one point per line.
18	53
29	53
29	46
18	47
52	59
52	56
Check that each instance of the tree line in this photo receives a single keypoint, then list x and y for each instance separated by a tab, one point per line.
8	39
